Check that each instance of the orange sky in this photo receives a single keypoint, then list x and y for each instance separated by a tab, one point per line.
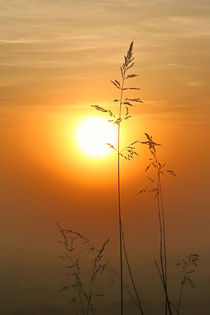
57	58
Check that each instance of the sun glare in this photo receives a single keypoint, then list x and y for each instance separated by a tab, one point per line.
94	134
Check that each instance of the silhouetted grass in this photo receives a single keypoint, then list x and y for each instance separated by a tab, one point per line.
188	266
161	265
128	153
84	295
157	190
84	292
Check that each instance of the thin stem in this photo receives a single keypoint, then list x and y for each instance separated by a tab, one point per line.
164	235
164	229
81	303
180	296
89	305
131	275
119	199
126	287
162	252
161	231
88	300
168	303
159	272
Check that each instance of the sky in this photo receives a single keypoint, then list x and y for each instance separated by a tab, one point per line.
56	59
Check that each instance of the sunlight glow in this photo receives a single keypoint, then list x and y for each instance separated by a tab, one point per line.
93	134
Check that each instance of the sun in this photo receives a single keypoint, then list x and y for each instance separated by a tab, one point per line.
94	134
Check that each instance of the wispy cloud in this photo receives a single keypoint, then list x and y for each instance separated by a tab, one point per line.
179	66
195	83
179	26
44	39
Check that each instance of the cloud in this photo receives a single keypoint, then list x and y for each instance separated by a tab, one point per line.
195	83
179	66
44	39
179	26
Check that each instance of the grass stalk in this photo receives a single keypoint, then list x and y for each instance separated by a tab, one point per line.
164	244
180	298
188	266
126	65
163	253
119	198
127	153
162	270
75	244
131	276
